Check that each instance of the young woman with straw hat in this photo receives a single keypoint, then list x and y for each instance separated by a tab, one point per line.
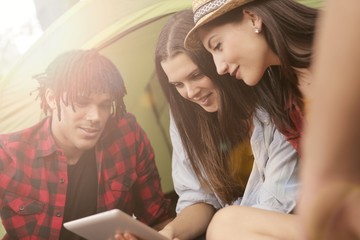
266	44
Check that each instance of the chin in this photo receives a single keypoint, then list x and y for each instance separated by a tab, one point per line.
87	145
211	110
251	82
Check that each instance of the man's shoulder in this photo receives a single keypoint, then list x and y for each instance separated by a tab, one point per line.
127	121
29	135
118	127
123	129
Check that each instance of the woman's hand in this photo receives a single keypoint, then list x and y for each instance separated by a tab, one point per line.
125	236
167	232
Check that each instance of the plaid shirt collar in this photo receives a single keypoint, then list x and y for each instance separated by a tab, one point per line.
44	142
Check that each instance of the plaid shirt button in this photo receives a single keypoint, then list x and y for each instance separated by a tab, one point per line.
58	214
62	180
21	208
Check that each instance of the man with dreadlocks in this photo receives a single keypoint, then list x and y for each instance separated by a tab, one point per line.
88	156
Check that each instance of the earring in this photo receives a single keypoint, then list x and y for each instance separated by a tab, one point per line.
257	30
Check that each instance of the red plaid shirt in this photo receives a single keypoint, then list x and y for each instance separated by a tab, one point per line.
33	178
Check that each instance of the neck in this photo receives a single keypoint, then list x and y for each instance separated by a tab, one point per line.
72	153
73	159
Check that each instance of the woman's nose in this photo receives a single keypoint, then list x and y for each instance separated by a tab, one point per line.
221	66
192	91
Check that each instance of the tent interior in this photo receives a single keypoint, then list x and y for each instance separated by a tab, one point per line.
123	30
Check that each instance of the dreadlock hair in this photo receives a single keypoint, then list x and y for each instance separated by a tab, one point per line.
208	138
289	28
81	73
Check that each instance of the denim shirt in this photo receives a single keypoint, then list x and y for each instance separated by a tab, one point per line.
273	182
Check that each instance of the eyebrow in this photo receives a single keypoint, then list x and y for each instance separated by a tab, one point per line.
192	73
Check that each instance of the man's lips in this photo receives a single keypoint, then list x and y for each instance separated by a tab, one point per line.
90	130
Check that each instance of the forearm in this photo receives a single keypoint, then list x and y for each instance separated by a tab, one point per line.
191	222
332	134
330	168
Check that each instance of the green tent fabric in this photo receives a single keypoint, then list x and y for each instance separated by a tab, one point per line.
126	32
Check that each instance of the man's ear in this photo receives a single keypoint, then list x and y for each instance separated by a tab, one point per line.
254	19
50	99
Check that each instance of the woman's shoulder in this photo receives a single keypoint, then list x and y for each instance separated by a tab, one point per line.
262	116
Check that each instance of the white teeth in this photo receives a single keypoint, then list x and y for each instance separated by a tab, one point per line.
204	99
201	99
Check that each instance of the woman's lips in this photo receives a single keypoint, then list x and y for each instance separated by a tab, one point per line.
205	100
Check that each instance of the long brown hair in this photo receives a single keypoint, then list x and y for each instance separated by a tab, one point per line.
208	138
289	28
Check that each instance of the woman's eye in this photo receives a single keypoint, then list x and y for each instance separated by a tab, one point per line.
217	47
176	85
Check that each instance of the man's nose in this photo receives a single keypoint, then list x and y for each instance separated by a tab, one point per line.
93	114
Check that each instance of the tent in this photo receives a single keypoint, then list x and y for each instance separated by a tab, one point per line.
125	31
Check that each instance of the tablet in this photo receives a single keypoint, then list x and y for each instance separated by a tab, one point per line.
103	226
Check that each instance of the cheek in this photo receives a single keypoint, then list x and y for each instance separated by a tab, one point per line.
104	118
262	50
262	61
71	117
217	58
210	85
105	113
182	92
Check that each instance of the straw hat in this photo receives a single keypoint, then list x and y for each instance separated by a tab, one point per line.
206	11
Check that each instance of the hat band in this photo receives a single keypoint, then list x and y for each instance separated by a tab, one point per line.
208	8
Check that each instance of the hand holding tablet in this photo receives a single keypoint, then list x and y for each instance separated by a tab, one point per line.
105	225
